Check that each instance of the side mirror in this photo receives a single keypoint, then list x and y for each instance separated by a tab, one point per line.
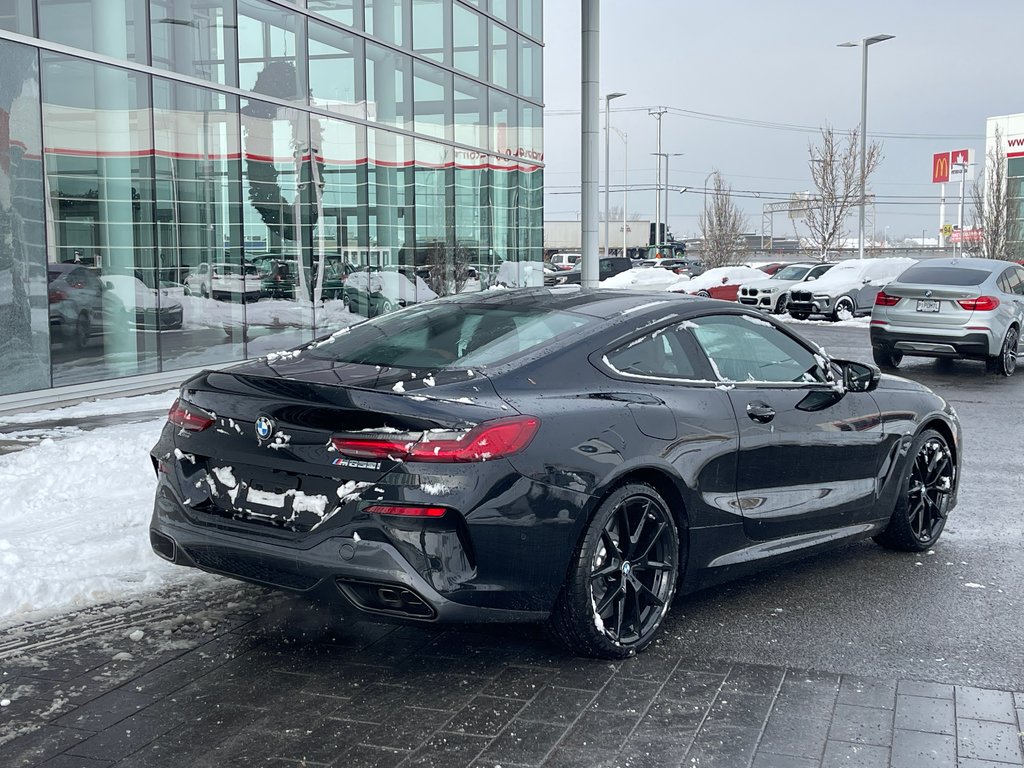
811	278
859	377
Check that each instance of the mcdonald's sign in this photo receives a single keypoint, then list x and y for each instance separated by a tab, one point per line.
940	168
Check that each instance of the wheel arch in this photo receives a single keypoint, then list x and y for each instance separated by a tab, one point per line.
943	428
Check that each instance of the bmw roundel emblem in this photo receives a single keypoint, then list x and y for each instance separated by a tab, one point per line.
264	428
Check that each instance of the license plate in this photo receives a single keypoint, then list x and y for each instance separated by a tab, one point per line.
927	305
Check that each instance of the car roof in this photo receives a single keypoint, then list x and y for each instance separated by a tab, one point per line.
988	265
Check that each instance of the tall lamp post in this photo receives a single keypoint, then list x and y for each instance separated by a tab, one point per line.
668	182
625	182
607	162
864	43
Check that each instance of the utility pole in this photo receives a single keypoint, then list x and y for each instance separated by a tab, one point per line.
607	162
657	114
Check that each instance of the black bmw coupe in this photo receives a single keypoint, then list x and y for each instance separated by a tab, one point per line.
561	455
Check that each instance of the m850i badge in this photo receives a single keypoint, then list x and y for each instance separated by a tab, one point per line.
356	464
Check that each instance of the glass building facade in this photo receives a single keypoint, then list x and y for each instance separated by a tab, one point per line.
192	182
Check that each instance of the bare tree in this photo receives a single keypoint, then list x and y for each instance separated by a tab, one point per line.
835	172
722	225
995	211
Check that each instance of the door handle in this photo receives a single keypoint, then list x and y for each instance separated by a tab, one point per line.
762	413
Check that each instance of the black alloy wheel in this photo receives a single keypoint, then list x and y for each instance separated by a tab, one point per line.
921	510
623	578
844	306
886	356
782	304
704	294
83	330
1005	363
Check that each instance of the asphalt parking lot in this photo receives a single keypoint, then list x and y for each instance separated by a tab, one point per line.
862	657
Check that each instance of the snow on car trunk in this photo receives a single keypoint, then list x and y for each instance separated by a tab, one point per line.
643	278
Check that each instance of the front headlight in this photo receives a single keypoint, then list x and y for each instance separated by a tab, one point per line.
768	290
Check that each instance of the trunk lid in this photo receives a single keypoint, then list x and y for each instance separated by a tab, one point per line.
929	306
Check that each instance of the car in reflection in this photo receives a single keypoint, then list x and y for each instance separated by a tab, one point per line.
375	292
847	290
225	281
951	308
143	306
76	310
772	293
560	455
721	282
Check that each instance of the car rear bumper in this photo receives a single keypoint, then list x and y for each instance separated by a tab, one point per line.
934	342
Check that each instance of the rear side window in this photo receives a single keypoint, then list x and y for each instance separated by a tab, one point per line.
439	336
663	354
925	275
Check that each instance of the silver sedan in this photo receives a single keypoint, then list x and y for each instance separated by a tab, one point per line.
955	308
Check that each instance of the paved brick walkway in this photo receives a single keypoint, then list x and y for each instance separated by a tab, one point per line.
239	677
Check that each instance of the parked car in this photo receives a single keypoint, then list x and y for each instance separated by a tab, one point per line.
607	266
554	455
772	293
773	267
846	290
564	261
225	281
373	293
144	306
278	278
721	282
953	308
76	302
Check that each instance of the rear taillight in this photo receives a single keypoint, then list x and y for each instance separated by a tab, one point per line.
406	510
490	440
56	296
188	417
980	304
883	299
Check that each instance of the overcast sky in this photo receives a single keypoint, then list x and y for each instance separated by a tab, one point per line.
950	66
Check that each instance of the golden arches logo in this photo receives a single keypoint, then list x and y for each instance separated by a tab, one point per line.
940	168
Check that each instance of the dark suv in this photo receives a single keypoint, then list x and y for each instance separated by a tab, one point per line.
607	266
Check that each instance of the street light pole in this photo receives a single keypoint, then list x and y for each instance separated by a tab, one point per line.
590	134
607	162
657	114
960	213
864	43
625	182
668	182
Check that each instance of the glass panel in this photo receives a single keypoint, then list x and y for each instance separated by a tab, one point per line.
530	72
388	86
531	213
390	223
269	37
340	238
530	131
196	38
103	282
530	17
24	325
16	16
430	36
335	70
502	124
348	12
281	183
469	55
432	92
470	113
747	349
472	218
114	28
198	225
434	257
505	223
504	10
385	20
503	57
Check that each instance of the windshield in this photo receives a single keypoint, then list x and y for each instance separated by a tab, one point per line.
792	272
448	335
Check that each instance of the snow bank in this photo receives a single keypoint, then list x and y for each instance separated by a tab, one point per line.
109	407
721	276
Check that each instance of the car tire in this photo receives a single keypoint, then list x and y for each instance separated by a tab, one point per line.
620	588
799	315
887	357
925	492
83	331
781	304
1005	363
386	306
704	294
844	304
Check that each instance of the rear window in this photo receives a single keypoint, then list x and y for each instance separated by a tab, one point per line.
925	275
441	336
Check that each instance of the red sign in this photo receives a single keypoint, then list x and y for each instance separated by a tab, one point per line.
940	168
967	236
959	156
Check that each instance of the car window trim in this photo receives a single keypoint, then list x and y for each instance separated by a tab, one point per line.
599	359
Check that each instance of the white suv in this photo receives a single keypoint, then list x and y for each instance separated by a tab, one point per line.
772	293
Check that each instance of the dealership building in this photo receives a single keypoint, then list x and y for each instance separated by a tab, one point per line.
1010	130
187	183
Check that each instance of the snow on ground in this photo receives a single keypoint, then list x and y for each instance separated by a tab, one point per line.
109	407
74	519
852	322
